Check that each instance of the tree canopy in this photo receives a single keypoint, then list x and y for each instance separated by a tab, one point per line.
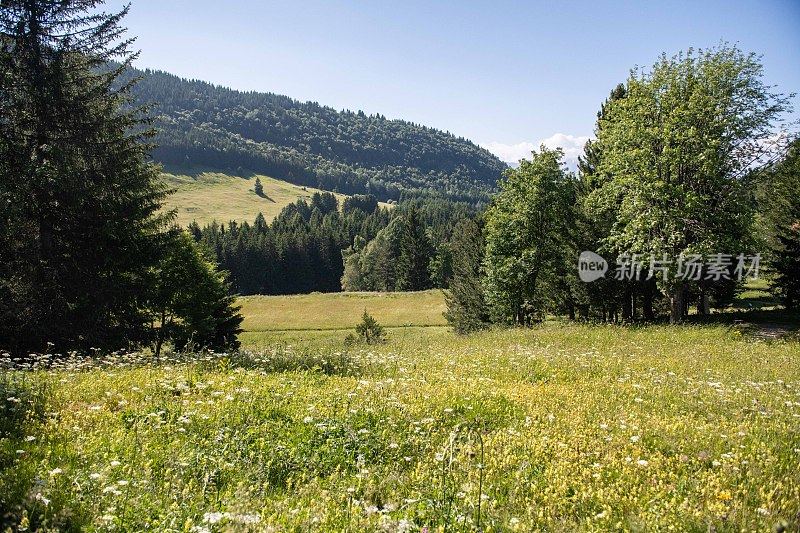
205	126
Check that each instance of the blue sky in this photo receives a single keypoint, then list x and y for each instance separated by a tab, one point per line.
505	74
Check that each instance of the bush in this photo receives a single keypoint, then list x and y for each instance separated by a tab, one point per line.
367	332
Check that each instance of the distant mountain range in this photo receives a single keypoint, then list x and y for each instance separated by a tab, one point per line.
208	127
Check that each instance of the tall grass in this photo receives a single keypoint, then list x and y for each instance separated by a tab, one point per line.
561	427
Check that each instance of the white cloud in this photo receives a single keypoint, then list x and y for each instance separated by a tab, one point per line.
512	153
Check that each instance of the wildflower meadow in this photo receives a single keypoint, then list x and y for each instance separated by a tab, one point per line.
558	427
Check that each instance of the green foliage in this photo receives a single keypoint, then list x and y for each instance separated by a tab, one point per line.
210	127
787	261
415	254
367	332
258	188
78	224
466	305
411	253
779	222
315	246
528	238
191	301
441	264
605	297
674	151
365	202
776	190
372	266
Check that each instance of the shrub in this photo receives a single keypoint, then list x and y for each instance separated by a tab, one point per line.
367	332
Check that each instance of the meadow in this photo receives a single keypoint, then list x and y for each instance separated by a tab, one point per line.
560	427
203	197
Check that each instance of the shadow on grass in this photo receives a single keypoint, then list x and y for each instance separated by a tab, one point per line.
767	323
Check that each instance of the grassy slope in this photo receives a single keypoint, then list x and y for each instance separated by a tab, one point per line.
562	427
208	196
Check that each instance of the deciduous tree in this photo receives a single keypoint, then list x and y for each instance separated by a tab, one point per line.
528	237
676	150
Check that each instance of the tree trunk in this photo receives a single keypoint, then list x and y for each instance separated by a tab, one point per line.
160	335
627	304
677	300
703	306
686	301
647	302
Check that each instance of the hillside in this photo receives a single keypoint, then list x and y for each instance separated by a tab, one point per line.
209	196
215	128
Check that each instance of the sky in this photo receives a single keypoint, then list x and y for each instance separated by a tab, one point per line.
507	75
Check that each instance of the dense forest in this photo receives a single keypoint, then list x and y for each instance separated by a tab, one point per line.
210	127
322	246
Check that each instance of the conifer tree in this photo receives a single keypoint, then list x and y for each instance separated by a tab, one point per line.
787	263
190	299
779	210
415	255
466	306
80	223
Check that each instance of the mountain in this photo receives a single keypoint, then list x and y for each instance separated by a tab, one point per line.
208	127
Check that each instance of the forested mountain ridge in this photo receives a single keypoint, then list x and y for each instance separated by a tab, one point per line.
211	127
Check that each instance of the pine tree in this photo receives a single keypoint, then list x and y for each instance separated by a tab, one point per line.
368	331
80	223
415	255
787	261
466	306
258	188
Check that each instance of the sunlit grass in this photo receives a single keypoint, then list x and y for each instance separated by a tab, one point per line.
562	427
342	310
210	196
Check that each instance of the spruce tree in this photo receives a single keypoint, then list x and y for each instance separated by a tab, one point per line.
80	200
258	188
787	261
466	307
415	255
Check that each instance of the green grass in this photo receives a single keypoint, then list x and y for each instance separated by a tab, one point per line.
208	196
756	295
341	310
561	427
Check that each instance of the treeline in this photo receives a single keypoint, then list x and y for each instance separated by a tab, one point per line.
302	250
206	126
680	192
86	260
